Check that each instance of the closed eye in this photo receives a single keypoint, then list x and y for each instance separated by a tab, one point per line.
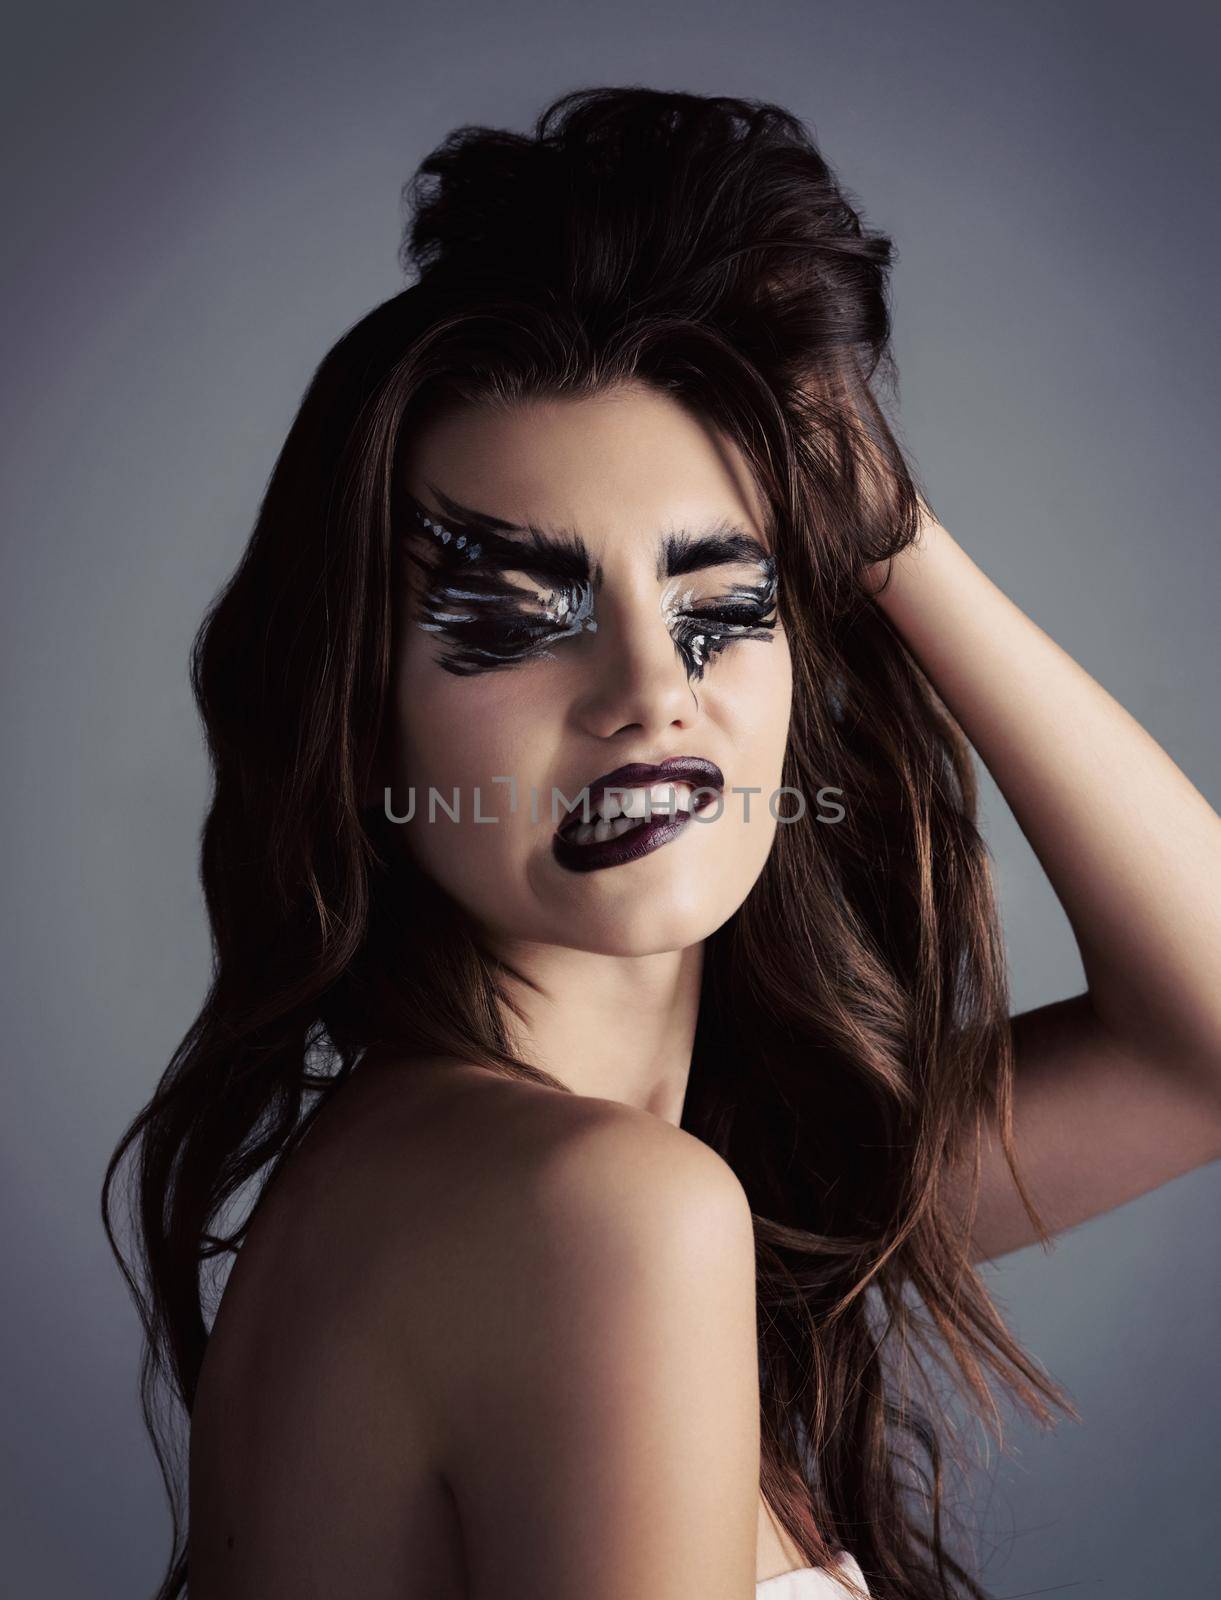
744	616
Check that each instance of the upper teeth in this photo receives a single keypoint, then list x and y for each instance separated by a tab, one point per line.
641	802
617	812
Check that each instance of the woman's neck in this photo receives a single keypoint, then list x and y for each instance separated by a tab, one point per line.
614	1027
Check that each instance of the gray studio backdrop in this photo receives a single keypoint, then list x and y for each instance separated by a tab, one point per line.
198	204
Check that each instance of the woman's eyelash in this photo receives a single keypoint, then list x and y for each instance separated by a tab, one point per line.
746	615
730	616
487	631
699	635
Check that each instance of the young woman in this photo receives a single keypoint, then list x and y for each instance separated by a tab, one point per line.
608	1073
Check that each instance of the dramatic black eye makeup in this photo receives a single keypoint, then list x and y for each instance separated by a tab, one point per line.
483	619
495	593
748	611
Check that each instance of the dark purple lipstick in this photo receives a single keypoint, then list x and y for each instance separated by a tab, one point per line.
649	833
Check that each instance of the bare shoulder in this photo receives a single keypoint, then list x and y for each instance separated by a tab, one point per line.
598	1375
501	1187
615	1162
575	1185
598	1192
422	1190
490	1292
506	1158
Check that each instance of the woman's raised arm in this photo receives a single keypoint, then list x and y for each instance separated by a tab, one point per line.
1117	1089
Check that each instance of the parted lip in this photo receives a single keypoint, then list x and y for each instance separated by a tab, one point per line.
695	770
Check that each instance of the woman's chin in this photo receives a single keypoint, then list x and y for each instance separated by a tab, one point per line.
672	916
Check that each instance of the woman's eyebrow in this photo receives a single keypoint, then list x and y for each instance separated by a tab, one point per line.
563	554
721	544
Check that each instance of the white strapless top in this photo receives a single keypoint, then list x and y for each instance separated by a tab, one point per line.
811	1583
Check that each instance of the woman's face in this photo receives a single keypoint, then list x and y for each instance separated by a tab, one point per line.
639	624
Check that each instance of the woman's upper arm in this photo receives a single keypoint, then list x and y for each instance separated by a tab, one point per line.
1096	1122
607	1446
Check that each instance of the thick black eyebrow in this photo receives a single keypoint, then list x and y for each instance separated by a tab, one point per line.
562	554
723	544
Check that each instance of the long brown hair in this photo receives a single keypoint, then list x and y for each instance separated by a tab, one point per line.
854	1019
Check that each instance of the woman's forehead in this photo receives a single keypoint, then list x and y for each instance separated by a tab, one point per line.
628	466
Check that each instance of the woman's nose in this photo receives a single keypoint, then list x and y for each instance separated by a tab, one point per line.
633	675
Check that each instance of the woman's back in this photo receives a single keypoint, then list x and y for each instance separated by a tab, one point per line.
480	1334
